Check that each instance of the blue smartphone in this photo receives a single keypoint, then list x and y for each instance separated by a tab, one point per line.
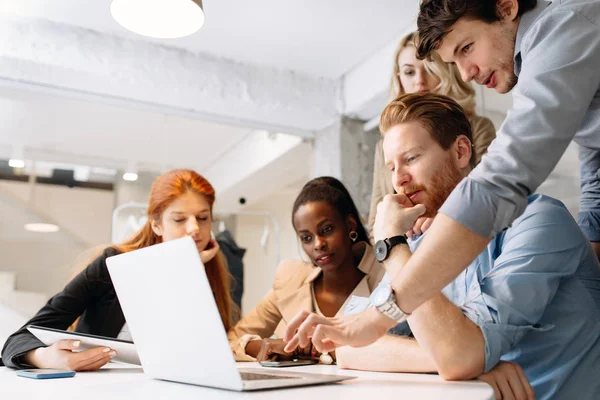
45	373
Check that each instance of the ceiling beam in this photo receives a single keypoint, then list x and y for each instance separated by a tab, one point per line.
53	58
231	173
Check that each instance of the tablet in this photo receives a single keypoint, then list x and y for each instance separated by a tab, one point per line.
126	351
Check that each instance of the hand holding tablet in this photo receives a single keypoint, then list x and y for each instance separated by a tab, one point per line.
125	350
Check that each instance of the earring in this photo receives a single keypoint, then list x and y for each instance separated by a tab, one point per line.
353	236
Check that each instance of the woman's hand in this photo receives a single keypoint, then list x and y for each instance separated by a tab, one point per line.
212	248
272	350
61	355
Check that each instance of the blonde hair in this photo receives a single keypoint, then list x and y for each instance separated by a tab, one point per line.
451	84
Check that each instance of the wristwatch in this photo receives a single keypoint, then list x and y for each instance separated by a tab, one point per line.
383	247
384	300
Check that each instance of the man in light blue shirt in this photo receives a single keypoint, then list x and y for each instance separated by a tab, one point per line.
527	298
553	50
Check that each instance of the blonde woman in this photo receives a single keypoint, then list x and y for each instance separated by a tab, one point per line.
412	75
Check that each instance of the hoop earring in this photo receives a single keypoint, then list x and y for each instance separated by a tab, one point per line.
353	236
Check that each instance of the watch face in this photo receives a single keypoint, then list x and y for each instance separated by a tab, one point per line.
380	295
381	250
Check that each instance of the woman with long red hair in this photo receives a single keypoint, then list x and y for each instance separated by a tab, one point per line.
180	204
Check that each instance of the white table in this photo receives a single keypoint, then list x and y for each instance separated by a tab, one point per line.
117	381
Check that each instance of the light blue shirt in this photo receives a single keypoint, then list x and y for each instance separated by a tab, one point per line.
531	292
557	100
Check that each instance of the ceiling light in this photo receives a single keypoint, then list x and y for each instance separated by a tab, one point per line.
42	228
16	163
131	172
130	176
162	19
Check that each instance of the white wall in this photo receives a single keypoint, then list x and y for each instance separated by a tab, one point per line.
563	182
43	262
11	321
259	263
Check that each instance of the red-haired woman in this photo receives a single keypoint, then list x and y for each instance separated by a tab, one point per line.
180	205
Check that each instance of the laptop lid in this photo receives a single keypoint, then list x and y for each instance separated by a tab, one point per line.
172	315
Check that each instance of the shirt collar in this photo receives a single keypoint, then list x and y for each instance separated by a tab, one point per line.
525	23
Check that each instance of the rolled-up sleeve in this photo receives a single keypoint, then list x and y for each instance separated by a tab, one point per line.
542	249
557	83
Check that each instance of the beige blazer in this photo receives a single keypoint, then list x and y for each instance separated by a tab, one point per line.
291	293
483	134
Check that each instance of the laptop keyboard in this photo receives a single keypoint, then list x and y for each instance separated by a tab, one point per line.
251	376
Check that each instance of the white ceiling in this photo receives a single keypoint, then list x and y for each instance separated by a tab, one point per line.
67	130
63	130
315	37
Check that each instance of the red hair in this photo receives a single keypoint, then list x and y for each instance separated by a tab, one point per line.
165	189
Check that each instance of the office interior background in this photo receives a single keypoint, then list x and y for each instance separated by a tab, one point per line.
266	95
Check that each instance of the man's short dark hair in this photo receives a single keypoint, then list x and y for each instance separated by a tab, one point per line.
437	16
441	116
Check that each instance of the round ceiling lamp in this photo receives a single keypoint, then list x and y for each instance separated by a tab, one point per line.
162	19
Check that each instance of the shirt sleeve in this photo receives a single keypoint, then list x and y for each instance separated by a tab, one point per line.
558	80
543	248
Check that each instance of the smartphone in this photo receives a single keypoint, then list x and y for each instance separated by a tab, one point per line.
45	373
290	363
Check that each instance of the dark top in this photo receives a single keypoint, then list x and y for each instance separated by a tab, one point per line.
234	255
90	295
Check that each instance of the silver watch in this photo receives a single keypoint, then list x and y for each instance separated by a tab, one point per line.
384	300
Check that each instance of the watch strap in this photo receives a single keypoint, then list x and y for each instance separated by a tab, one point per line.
396	240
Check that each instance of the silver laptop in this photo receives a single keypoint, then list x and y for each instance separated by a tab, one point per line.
174	321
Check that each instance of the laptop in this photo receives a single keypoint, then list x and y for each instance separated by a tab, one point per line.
174	321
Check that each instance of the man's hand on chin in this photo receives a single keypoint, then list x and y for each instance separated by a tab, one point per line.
395	216
327	334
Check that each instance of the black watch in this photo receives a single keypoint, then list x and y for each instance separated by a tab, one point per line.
383	247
